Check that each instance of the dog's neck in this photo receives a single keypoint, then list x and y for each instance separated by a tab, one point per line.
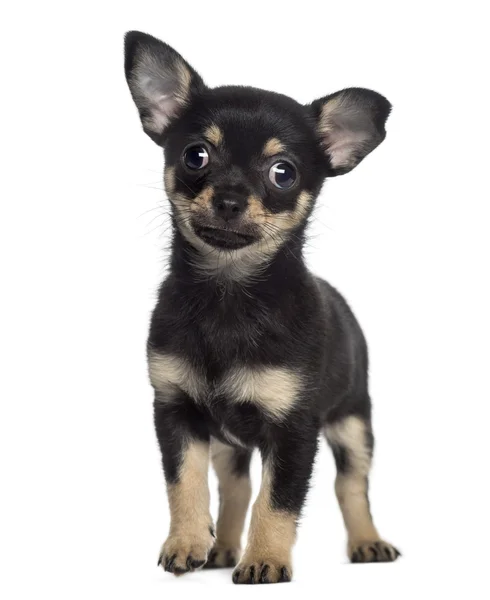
196	263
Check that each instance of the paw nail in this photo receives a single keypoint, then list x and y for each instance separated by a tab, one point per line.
169	563
264	573
196	564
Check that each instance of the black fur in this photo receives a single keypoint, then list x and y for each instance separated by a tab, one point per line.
241	461
280	316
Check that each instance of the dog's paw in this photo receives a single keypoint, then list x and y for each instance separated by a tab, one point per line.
262	571
222	558
181	555
368	552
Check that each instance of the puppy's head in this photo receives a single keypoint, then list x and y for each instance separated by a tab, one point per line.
244	166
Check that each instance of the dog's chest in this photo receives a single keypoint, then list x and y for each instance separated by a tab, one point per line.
271	389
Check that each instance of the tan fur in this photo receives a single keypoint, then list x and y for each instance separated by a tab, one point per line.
256	210
273	389
289	219
184	205
234	493
169	179
184	77
351	494
273	146
203	202
243	265
325	123
188	499
214	135
271	537
282	222
169	374
303	205
351	433
184	208
351	488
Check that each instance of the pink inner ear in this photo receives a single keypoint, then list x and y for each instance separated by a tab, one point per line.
164	108
161	89
342	145
346	129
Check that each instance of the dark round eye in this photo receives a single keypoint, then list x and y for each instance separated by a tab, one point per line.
196	158
282	175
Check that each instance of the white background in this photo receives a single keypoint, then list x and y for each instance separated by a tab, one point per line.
83	232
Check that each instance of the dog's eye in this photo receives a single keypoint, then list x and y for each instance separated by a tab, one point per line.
282	175
196	158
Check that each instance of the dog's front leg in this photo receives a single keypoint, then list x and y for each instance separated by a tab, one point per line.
286	470
185	455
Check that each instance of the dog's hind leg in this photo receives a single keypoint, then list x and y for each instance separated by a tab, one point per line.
351	440
232	465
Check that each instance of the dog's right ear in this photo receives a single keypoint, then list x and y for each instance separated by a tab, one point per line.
162	83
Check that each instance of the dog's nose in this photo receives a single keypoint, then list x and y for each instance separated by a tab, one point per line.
228	208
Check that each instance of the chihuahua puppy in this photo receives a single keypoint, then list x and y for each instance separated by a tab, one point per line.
247	349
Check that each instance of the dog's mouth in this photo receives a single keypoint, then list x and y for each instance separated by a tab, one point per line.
224	238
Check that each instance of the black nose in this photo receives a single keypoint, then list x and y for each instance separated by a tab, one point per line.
228	208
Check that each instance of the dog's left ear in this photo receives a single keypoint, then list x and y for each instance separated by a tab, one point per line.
162	83
350	124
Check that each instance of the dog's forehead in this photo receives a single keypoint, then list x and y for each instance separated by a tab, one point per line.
253	121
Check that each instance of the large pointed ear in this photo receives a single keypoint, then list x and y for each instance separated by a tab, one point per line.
350	124
162	83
